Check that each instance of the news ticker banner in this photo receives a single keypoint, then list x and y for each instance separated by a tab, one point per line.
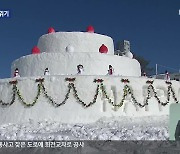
89	146
4	13
41	144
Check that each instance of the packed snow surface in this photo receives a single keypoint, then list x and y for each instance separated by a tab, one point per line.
116	128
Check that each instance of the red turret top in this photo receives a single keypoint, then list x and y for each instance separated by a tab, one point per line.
35	50
51	30
90	29
103	49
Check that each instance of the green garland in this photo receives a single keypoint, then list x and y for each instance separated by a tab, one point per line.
51	99
100	86
2	103
127	90
130	92
22	99
71	86
170	90
109	100
155	95
79	100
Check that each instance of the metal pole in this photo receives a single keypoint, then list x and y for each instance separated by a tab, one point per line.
156	71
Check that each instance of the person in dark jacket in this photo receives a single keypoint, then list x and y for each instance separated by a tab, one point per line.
177	132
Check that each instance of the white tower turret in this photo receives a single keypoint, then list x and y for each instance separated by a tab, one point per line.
124	46
124	49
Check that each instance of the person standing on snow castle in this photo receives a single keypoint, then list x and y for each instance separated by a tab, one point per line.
111	70
80	69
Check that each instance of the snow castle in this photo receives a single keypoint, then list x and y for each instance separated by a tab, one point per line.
76	77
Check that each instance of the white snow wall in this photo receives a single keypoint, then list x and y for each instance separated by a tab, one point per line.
72	111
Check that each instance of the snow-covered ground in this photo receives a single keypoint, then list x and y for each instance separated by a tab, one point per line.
117	128
106	130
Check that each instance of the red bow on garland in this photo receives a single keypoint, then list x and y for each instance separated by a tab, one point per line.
13	82
98	80
168	82
125	80
149	82
70	79
40	80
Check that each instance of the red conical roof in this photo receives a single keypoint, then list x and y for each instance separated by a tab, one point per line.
90	29
35	50
51	30
103	49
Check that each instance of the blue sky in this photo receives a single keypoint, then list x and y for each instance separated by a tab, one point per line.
152	26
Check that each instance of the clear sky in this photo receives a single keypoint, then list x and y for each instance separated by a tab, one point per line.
152	26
